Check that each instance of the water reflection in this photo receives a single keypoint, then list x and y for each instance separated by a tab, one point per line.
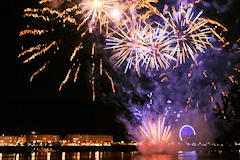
99	155
63	155
156	157
33	156
78	155
17	156
49	156
192	155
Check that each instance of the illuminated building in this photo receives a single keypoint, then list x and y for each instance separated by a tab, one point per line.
85	139
35	139
38	139
12	140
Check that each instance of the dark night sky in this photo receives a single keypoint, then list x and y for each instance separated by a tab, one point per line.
39	106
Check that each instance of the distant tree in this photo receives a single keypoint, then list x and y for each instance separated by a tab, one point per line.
230	108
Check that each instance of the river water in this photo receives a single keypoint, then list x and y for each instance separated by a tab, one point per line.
181	155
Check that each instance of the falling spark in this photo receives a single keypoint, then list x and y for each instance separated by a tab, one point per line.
65	80
76	73
40	52
214	86
93	81
40	70
205	74
205	117
33	32
44	1
75	51
164	79
101	67
38	47
111	80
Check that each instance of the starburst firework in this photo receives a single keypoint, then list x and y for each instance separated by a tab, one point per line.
192	33
98	11
141	45
156	132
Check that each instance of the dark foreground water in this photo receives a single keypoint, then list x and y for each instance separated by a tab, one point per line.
191	155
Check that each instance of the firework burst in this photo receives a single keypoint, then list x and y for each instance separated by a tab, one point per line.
98	15
98	11
156	132
192	33
141	45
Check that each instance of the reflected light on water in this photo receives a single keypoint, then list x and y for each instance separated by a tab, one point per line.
190	155
106	155
48	155
97	155
156	157
33	156
17	156
63	155
122	155
101	155
90	155
78	155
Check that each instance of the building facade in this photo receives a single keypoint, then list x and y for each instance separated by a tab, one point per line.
12	140
38	139
85	139
34	139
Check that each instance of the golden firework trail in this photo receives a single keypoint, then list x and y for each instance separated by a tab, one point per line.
40	70
140	45
111	80
156	132
139	4
192	33
32	31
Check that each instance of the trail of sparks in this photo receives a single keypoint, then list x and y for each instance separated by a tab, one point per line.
40	70
139	4
44	1
111	80
76	73
93	83
33	32
65	80
40	52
